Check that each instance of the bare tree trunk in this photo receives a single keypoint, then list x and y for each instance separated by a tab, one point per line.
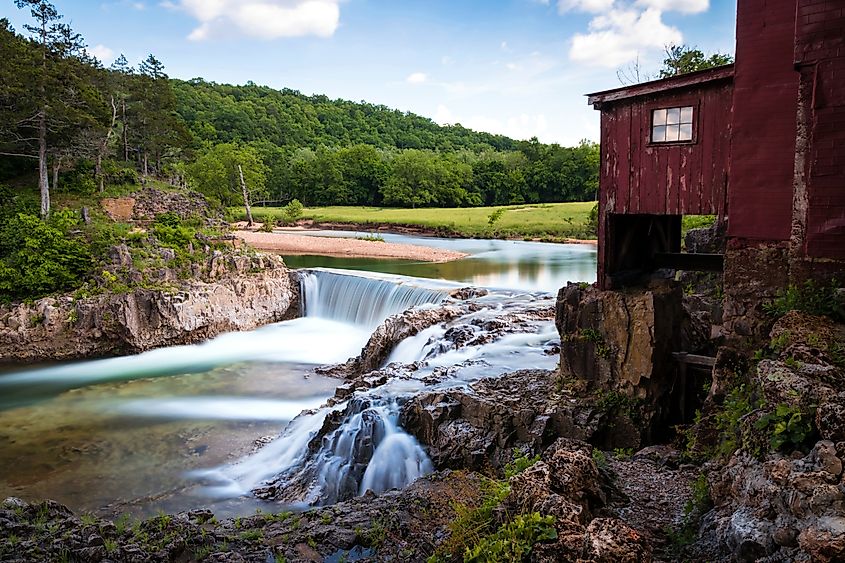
125	131
43	182
57	166
98	168
246	197
146	172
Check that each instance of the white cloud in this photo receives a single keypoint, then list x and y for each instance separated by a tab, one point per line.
591	6
264	19
521	126
446	60
139	5
682	6
416	78
103	53
618	37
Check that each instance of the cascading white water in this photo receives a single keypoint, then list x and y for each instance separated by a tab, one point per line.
343	450
365	300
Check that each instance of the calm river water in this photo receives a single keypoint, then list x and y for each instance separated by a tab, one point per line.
122	435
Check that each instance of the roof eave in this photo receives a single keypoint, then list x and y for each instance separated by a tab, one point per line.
724	72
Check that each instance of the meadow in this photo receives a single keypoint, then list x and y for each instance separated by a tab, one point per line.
547	221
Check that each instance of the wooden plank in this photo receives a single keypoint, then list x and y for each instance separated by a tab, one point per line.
694	359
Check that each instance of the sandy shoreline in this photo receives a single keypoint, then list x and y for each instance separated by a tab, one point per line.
287	243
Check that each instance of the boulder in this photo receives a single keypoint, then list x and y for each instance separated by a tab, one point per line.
621	342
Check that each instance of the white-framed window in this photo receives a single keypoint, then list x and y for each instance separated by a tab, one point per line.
671	125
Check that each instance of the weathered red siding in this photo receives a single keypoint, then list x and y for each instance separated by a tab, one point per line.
638	176
765	101
820	58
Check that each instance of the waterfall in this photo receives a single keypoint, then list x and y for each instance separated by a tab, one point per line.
361	300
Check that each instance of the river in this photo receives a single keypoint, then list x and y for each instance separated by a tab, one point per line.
180	427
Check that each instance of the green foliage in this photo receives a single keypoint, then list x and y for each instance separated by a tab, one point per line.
599	458
371	238
495	216
696	222
38	258
681	59
623	453
811	297
474	528
514	540
593	221
519	463
293	210
788	427
215	173
252	535
268	225
739	402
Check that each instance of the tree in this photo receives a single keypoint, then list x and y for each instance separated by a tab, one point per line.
123	75
64	101
219	170
681	59
158	127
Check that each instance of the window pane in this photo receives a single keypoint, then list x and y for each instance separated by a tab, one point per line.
658	133
673	116
672	132
686	114
686	132
659	117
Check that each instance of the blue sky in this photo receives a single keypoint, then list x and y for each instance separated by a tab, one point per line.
518	67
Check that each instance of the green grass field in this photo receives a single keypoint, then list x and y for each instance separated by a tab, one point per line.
550	221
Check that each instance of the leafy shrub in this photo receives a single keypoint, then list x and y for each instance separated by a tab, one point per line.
38	258
514	540
173	237
495	216
810	297
268	225
119	173
169	230
293	210
168	218
520	463
740	401
789	427
79	180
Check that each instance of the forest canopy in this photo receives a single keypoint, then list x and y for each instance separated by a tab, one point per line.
80	127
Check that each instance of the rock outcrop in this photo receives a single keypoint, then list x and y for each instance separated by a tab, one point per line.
479	427
238	292
567	484
619	344
146	203
781	495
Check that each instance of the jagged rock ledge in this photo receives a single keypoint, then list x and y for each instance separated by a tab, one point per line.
232	292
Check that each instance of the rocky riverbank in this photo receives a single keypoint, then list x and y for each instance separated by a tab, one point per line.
230	291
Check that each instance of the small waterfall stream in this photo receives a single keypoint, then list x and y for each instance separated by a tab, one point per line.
350	297
339	451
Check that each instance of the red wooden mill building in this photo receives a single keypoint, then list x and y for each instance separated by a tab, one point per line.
760	144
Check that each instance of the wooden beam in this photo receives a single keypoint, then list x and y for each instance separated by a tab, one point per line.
694	359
